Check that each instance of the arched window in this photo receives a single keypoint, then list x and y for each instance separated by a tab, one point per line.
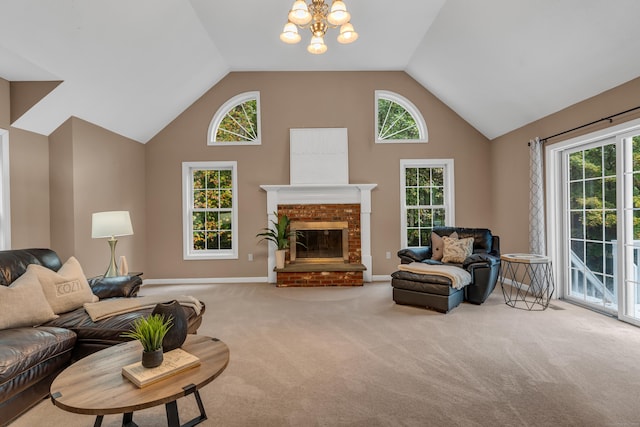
237	122
398	120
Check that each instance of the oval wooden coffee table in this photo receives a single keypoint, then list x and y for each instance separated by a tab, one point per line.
95	385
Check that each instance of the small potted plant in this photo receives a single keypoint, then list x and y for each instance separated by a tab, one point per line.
279	235
150	331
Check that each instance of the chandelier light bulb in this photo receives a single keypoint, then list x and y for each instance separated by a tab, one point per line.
338	14
299	13
347	34
290	33
317	46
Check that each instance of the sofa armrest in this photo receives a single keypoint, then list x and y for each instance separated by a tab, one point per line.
118	286
480	260
409	255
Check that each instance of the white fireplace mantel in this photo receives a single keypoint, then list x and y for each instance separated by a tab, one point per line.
316	194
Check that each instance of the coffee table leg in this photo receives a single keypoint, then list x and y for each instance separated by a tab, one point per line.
173	420
127	420
98	422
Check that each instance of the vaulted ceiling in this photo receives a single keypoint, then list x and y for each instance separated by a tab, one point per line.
133	66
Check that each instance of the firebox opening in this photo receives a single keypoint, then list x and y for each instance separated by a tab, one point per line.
319	241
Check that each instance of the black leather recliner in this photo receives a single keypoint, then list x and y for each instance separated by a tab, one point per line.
435	291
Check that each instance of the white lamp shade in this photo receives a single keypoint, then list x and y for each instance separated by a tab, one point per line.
347	34
299	13
290	33
112	223
317	46
338	14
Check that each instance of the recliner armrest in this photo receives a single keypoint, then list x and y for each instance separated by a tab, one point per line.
480	260
409	255
118	286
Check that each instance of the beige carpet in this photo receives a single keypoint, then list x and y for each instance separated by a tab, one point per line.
351	357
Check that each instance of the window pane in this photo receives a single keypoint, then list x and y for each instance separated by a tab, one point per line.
438	217
412	197
212	198
212	220
438	195
198	221
577	221
610	226
412	217
411	175
610	160
225	221
425	236
199	179
593	162
424	177
593	194
413	238
575	166
198	241
610	193
225	240
212	240
577	247
240	122
594	225
577	195
226	199
437	176
199	199
425	197
213	179
594	256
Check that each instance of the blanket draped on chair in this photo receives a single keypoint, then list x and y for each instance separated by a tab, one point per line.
459	277
112	307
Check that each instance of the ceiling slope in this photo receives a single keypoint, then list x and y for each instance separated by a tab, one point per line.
133	66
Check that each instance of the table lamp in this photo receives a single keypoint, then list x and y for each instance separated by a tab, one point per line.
111	224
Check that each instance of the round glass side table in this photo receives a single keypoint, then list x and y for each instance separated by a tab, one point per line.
526	281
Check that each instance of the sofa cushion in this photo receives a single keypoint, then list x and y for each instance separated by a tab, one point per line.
30	354
23	303
66	289
456	250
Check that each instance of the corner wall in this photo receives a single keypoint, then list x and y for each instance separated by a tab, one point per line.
510	157
94	170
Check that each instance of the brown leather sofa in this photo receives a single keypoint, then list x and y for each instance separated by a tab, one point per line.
436	292
31	357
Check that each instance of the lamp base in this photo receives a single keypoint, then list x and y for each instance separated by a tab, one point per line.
112	271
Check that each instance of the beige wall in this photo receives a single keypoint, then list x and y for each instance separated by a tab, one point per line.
95	170
306	99
510	157
29	167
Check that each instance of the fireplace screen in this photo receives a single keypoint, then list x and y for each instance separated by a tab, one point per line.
321	242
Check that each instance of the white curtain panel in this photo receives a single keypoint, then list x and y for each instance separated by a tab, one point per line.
537	243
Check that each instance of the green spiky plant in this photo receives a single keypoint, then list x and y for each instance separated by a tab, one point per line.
150	331
279	234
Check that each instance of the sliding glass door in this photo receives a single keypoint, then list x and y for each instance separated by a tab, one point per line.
600	251
591	213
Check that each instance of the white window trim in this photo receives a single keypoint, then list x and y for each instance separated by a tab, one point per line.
554	199
411	108
222	112
449	191
5	192
187	220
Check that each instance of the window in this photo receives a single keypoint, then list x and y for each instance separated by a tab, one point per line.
237	122
210	215
398	120
427	196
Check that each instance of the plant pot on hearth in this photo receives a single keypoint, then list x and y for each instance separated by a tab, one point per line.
281	255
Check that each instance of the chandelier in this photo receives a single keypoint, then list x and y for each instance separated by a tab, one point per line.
318	18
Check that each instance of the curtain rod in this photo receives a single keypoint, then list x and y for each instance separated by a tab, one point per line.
608	118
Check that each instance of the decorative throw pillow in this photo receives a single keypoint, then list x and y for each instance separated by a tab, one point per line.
457	250
437	245
23	303
67	289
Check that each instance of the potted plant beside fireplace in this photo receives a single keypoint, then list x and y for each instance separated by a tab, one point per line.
278	234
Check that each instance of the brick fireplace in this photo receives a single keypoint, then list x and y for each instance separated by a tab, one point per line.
346	202
334	271
320	193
